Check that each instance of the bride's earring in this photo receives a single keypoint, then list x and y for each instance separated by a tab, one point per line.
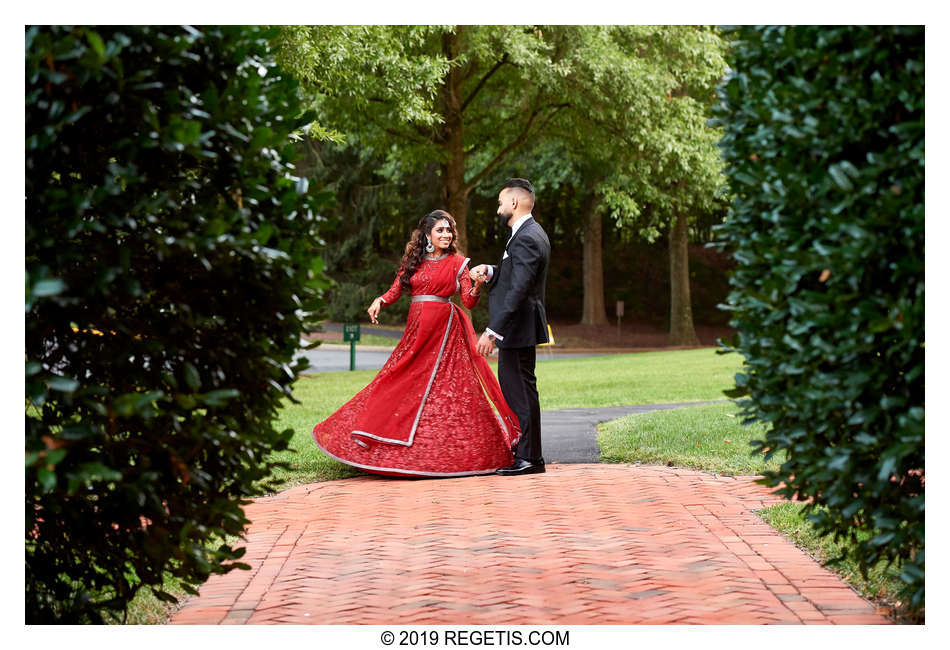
429	247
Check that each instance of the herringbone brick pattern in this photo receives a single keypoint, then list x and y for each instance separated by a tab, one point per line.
578	545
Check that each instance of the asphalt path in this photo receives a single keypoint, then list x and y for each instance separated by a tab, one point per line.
570	435
336	358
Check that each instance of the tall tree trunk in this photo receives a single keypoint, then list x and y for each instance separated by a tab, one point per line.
682	331
454	190
594	311
456	197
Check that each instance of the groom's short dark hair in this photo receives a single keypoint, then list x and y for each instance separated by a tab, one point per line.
521	184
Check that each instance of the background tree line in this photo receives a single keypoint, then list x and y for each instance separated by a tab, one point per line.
609	122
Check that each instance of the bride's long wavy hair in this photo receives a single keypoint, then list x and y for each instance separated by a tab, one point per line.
416	247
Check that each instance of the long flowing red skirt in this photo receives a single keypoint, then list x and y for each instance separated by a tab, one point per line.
434	409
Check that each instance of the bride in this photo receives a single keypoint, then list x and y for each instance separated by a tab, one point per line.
435	408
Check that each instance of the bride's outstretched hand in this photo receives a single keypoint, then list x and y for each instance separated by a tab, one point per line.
373	311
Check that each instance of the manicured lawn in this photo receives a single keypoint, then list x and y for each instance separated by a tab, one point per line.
319	396
641	378
708	437
376	339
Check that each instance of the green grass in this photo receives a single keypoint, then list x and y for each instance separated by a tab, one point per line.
146	609
376	339
319	396
882	584
708	437
641	378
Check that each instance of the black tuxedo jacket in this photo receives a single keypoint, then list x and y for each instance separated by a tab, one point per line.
516	290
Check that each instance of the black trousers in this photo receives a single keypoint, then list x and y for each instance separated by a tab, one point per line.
520	388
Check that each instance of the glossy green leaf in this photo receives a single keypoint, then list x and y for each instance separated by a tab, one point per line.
841	179
51	287
219	397
62	384
192	378
46	479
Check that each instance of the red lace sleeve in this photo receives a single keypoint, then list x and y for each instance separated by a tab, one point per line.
395	290
465	287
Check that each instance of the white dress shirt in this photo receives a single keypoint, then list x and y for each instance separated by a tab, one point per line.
514	229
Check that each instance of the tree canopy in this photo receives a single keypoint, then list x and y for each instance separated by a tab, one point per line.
628	105
630	100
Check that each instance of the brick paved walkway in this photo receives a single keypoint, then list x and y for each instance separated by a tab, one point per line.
578	545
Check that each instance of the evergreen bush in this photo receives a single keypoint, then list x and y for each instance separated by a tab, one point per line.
170	268
825	149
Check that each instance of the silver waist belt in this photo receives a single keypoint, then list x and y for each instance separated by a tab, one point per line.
429	298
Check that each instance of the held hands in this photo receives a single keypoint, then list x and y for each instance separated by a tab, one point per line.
479	281
373	311
479	274
485	345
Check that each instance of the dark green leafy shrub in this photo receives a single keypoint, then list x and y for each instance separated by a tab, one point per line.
360	276
825	146
169	264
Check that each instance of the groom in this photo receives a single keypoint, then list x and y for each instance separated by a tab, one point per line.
517	321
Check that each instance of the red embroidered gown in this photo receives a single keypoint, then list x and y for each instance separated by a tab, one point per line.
435	408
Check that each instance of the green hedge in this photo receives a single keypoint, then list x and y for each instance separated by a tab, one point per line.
825	149
169	264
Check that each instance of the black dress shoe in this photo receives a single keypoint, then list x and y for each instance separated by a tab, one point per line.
520	467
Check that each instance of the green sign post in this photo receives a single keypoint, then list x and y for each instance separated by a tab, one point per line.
351	333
